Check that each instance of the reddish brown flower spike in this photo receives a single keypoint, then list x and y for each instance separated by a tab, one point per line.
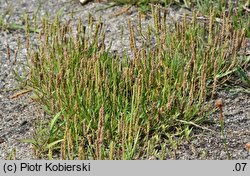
219	103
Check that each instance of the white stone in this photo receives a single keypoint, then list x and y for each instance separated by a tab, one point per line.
83	1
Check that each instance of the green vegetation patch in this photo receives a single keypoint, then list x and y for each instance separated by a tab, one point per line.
106	107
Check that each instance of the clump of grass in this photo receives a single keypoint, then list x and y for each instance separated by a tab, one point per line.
110	108
237	11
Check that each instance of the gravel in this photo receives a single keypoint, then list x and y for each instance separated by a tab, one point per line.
18	115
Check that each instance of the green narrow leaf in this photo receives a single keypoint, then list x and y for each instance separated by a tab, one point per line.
54	120
49	146
31	141
243	75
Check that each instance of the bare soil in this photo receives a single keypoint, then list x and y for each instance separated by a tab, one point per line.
18	115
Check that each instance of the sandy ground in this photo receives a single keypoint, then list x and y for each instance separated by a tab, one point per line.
18	115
